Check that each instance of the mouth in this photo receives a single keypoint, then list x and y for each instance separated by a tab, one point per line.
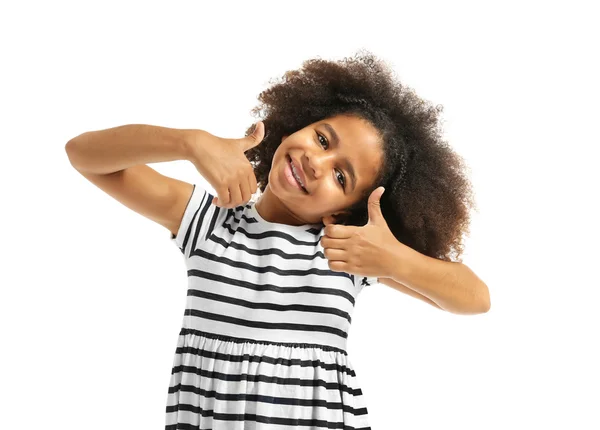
299	173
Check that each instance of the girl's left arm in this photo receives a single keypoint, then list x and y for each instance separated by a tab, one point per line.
453	286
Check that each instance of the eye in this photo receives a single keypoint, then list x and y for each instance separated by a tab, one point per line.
321	136
343	182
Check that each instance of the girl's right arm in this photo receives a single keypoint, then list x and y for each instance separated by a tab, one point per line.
115	161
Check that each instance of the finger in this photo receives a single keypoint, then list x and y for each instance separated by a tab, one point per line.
252	182
339	266
219	201
223	197
335	254
246	194
339	231
332	243
236	195
255	138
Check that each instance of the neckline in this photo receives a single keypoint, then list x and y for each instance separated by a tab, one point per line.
282	227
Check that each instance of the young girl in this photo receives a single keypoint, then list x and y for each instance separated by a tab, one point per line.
272	283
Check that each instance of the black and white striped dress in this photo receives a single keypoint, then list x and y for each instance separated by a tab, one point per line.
264	335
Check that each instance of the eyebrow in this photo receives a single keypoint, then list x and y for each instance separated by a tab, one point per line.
345	161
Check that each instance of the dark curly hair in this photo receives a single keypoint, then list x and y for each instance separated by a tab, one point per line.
427	195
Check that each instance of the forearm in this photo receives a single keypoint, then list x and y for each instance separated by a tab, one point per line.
114	149
453	286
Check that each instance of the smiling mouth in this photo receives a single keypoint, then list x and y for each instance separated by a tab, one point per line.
289	160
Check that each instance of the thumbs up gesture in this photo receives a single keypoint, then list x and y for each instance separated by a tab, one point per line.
224	165
369	250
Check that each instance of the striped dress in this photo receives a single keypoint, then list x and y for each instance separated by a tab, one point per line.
265	328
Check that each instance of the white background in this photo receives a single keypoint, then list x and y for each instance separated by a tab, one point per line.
93	294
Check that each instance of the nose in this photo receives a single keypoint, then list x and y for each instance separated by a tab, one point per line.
315	165
312	166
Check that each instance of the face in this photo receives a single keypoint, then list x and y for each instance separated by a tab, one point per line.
324	154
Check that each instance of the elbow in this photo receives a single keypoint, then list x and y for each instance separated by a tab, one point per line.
481	306
469	311
70	146
486	308
72	143
70	150
486	303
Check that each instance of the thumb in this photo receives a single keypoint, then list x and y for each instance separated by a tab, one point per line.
375	215
255	138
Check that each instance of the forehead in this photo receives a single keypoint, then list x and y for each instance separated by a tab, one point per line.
359	142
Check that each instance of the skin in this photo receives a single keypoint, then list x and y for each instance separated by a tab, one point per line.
321	160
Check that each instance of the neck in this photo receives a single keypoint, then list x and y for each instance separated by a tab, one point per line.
271	209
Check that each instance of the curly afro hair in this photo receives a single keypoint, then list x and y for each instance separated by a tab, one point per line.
427	194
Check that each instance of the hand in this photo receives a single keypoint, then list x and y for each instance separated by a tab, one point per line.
361	250
223	164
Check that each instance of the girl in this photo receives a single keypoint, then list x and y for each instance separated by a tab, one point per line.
354	178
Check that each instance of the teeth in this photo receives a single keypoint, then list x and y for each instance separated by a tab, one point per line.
296	174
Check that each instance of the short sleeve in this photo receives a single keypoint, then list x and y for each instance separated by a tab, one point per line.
196	220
